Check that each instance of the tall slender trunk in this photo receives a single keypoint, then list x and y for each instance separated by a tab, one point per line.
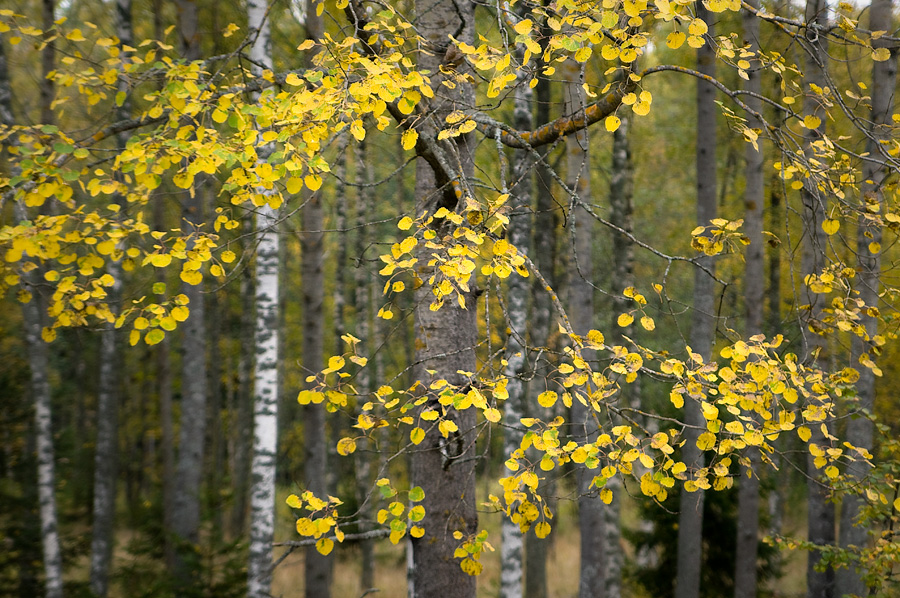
745	583
517	291
106	446
265	381
860	430
444	343
544	243
318	567
621	191
690	516
192	435
38	352
819	584
581	312
363	299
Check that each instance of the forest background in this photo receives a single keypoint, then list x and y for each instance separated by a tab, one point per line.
566	297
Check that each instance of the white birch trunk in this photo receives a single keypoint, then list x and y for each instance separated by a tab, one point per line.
265	382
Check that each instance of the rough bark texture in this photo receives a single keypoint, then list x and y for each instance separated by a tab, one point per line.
860	429
106	445
819	584
444	342
517	291
690	516
581	313
745	585
265	381
318	567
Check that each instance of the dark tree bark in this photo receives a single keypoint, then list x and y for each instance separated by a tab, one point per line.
690	517
444	342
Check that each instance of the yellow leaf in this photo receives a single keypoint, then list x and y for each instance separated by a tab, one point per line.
612	122
346	446
804	433
305	397
409	138
542	529
492	415
293	79
881	55
417	435
154	337
294	502
405	223
306	45
313	181
648	323
831	226
812	122
228	256
675	39
625	320
523	27
547	398
447	426
324	546
706	441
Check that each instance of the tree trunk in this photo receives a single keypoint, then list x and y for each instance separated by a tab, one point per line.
745	584
703	327
544	243
581	313
265	381
819	584
106	446
860	429
444	343
318	567
517	291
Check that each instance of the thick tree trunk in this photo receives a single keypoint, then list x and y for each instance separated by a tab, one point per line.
581	313
444	343
106	446
517	291
819	584
860	430
690	516
745	584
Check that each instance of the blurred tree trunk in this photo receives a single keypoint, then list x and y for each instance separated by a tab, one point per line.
861	428
745	583
581	313
107	443
192	437
820	513
318	567
703	327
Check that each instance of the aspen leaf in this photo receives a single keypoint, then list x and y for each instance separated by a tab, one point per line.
313	181
409	138
492	415
227	256
612	123
606	496
625	320
831	226
547	398
542	529
881	55
154	337
446	427
294	502
324	546
804	433
648	323
306	45
523	27
416	435
346	446
405	223
416	531
675	39
811	122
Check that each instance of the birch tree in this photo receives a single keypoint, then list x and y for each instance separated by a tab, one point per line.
265	379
